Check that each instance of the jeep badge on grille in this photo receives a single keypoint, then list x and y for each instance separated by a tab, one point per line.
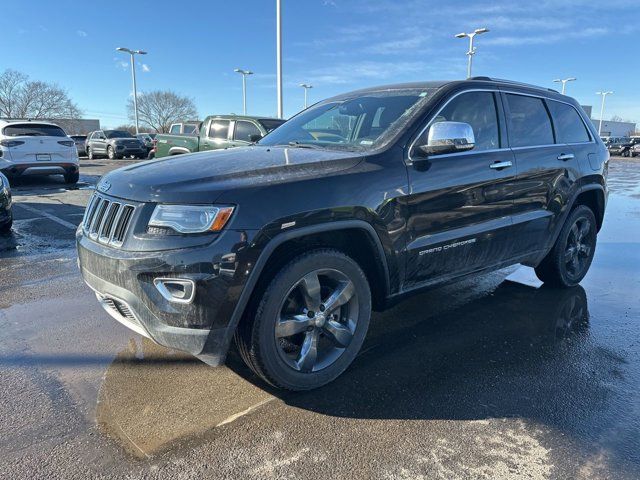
103	186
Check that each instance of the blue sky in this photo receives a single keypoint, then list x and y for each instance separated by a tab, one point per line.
336	45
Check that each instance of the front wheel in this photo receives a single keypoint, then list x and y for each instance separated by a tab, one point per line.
111	153
309	323
570	258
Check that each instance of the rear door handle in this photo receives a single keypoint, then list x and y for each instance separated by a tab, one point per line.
501	165
566	156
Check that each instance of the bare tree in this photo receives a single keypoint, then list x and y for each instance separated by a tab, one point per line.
160	108
616	118
24	98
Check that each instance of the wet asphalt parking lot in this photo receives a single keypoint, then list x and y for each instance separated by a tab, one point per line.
493	377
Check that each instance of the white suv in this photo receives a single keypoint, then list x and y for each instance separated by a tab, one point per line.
37	148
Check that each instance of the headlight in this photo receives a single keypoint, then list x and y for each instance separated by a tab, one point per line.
191	218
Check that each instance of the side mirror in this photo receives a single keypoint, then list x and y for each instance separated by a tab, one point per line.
255	137
448	137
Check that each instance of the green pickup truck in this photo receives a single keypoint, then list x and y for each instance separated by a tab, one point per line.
217	131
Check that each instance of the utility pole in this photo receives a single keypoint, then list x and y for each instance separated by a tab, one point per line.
279	55
306	87
564	82
244	74
604	95
133	75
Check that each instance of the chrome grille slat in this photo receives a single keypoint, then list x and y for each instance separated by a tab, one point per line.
107	221
107	225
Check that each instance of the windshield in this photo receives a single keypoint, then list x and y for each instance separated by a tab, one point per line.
270	124
117	134
363	122
33	130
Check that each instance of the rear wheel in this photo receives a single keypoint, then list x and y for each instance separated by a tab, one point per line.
90	153
310	322
570	258
6	227
72	177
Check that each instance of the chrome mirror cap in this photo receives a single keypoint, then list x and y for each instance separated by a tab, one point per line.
448	137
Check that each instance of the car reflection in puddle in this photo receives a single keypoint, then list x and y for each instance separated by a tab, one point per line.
152	397
469	362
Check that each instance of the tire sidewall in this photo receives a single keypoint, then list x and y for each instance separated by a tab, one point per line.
579	212
269	311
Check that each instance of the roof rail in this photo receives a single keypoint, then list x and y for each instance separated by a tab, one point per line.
512	82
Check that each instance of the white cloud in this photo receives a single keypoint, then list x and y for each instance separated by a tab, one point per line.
546	38
146	68
81	33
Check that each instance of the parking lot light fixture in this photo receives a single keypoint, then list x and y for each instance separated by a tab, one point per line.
472	49
244	74
132	53
604	95
306	87
564	82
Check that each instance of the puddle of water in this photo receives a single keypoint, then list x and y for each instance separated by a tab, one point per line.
152	397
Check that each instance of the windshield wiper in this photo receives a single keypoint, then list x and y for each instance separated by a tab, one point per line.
303	145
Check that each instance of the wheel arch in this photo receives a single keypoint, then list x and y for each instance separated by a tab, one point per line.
288	244
178	151
592	196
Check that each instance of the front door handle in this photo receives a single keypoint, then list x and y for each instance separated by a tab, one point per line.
501	165
566	156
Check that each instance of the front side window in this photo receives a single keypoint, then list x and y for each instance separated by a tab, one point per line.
33	130
348	123
245	130
529	122
175	129
219	129
478	109
569	126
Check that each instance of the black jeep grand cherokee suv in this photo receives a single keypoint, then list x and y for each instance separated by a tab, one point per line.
288	245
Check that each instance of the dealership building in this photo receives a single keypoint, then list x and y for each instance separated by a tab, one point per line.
72	126
609	127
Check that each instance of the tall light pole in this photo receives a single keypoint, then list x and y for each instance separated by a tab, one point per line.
279	55
306	87
604	95
244	74
133	75
472	49
564	82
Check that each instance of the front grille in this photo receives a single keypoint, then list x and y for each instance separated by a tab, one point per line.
106	221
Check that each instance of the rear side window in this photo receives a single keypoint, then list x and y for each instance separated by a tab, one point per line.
33	130
175	129
219	129
569	126
478	109
529	122
245	130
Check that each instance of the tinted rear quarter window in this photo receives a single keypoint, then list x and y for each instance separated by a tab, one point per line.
34	130
569	126
529	122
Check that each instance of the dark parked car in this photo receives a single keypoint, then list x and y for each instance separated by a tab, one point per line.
288	245
6	217
114	144
147	140
80	141
620	146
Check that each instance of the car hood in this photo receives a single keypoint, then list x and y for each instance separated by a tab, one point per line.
203	177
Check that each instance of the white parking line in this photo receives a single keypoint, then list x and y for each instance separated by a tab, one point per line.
51	217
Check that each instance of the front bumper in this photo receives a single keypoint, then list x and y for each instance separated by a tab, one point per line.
124	285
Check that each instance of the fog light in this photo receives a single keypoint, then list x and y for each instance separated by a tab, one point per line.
178	290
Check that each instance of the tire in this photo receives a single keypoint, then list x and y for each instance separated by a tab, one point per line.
331	337
72	178
6	227
111	153
90	153
570	258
